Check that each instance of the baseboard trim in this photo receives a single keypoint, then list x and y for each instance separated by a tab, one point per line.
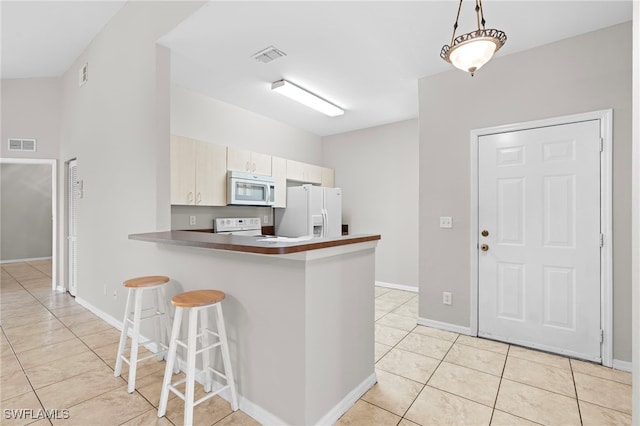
397	286
31	259
347	402
444	326
622	365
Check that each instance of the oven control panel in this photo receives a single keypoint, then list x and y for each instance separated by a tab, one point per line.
229	224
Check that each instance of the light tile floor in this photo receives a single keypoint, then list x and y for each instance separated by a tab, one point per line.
55	354
433	377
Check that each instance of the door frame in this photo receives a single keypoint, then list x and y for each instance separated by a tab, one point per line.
54	201
606	216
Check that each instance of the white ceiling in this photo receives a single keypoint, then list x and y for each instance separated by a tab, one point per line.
365	56
43	38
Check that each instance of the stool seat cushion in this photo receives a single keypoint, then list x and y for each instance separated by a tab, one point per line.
146	281
192	299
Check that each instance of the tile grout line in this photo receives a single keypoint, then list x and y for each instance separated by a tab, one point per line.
76	337
18	358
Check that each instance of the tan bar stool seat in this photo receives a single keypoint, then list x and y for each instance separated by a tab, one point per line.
160	312
197	302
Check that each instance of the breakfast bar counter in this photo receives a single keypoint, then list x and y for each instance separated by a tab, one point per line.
299	315
261	244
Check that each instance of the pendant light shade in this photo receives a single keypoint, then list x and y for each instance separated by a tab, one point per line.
470	51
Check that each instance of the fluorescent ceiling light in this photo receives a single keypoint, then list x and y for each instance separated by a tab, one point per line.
305	97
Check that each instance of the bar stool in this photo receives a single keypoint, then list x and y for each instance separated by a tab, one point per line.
197	302
160	312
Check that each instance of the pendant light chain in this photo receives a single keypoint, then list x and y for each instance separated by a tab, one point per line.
479	5
455	25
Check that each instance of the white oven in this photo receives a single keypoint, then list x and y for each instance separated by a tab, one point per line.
247	189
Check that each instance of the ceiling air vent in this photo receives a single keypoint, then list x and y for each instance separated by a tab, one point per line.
28	145
269	54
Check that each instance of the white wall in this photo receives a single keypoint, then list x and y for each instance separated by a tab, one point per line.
635	319
584	73
377	168
200	117
203	118
31	110
25	211
117	126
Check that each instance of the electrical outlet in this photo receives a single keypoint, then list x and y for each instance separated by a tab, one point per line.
446	298
446	222
265	220
192	220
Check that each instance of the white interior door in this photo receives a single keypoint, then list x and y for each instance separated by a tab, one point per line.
540	238
72	203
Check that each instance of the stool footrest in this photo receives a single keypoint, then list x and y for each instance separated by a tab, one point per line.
219	374
206	348
157	314
152	355
172	388
210	395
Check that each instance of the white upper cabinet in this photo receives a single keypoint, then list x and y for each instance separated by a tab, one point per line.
279	174
211	174
198	173
242	160
303	172
183	176
328	177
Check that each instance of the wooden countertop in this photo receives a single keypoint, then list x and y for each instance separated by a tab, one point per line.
247	244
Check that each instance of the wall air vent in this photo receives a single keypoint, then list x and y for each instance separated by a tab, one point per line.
28	145
269	54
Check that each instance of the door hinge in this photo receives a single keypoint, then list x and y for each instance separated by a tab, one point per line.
601	240
601	336
601	145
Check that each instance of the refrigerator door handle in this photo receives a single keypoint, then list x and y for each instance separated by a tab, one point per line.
325	223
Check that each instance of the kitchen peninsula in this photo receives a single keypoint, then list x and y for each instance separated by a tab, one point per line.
299	316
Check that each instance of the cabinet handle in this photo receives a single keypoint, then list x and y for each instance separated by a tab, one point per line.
198	198
253	169
247	167
189	197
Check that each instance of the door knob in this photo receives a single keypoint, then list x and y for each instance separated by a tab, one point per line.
485	233
484	247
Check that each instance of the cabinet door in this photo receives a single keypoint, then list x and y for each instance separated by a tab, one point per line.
183	176
295	171
238	160
260	164
211	174
303	172
279	173
327	177
313	174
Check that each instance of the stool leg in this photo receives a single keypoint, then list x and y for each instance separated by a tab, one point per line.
204	323
226	358
123	335
191	366
133	359
159	326
171	359
163	320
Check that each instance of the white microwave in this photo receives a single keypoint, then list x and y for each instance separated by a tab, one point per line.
248	189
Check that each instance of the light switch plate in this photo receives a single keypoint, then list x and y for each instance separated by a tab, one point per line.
446	222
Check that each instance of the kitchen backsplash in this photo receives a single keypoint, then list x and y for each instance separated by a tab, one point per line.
204	216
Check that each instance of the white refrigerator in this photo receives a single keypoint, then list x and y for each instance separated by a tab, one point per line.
311	210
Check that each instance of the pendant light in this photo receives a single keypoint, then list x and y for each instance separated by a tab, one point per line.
471	51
